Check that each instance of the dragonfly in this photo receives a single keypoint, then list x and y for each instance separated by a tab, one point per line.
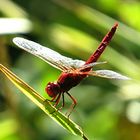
73	70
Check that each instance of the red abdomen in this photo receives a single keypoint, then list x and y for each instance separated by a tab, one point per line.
69	80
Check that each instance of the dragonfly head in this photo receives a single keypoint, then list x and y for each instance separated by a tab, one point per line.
53	89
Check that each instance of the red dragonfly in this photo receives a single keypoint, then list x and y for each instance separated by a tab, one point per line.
73	71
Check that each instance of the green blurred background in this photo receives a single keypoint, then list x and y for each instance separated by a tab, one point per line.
107	109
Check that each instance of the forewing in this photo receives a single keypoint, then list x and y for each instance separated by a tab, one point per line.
53	58
83	67
108	74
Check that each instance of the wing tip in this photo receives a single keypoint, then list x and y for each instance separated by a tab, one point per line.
17	40
125	78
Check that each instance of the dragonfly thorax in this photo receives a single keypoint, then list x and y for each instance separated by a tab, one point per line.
53	89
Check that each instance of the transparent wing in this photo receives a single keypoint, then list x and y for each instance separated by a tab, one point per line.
108	74
51	57
90	65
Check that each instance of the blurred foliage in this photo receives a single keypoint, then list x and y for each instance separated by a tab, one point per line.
107	109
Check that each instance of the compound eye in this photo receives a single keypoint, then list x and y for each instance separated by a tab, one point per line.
52	89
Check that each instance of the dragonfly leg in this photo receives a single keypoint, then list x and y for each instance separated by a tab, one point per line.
57	100
51	100
63	102
57	97
72	106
